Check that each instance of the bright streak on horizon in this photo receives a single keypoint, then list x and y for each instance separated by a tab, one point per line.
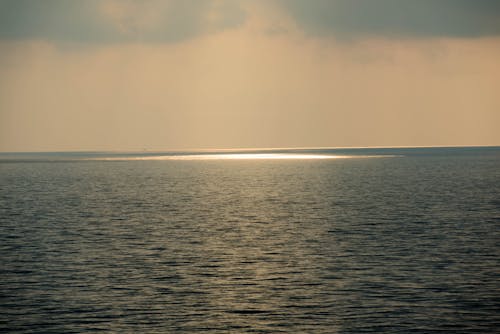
246	156
252	156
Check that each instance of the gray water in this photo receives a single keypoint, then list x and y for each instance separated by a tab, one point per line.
409	242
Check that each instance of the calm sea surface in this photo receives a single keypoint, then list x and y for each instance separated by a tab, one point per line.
407	241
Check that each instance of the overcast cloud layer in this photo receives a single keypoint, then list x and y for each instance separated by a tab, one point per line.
397	18
173	21
183	74
114	21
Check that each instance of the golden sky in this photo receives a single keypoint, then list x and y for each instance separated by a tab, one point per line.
161	75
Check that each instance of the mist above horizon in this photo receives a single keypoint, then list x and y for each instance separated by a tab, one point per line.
161	75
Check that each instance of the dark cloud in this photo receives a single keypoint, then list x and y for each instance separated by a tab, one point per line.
396	18
115	20
111	21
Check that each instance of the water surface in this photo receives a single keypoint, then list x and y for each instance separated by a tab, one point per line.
406	242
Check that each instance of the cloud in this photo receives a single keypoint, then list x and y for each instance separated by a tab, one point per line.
112	21
170	21
263	83
240	88
396	18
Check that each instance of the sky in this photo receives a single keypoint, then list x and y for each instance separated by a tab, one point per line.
202	74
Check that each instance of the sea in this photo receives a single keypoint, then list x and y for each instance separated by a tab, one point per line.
381	240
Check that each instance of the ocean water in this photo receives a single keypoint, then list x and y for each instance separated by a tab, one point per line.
362	241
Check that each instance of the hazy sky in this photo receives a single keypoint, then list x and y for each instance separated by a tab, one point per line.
181	74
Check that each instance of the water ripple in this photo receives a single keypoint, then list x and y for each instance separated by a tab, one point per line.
319	246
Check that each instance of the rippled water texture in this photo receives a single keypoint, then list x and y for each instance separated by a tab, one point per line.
407	243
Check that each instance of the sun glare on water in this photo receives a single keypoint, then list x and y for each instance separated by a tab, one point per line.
251	156
242	156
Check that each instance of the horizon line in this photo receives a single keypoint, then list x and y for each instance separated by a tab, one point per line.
250	149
